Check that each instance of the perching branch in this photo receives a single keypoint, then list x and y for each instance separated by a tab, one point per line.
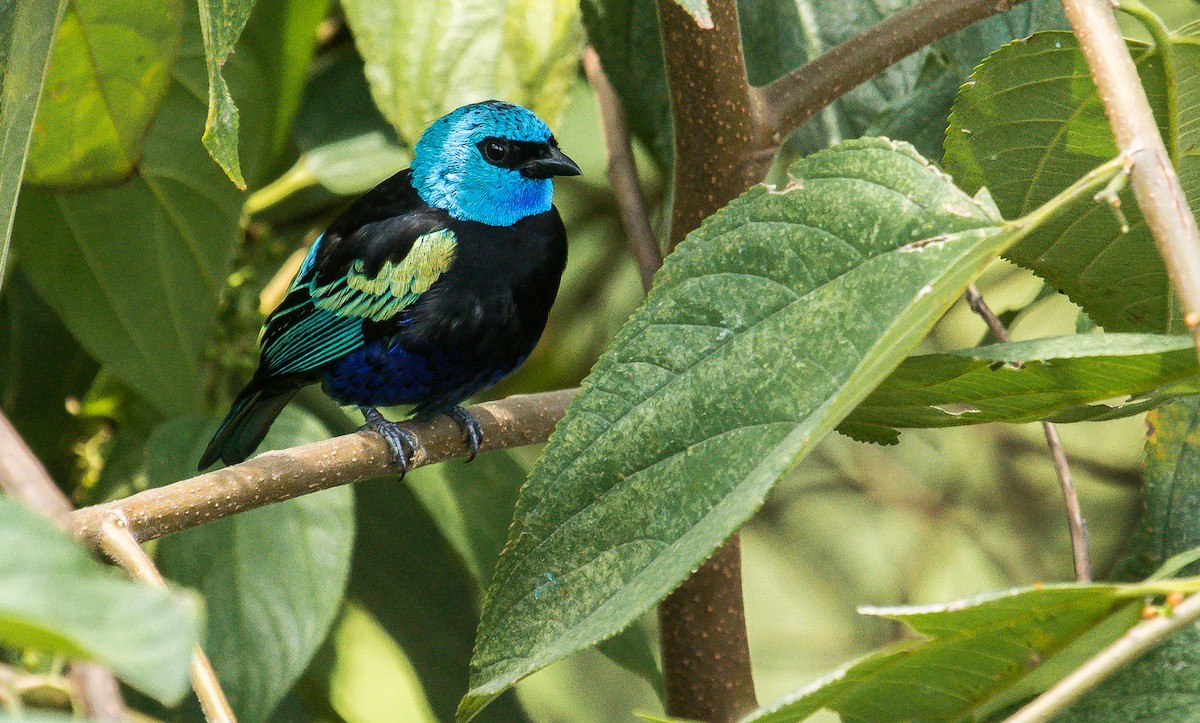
786	103
276	476
23	478
1135	642
119	545
1075	521
1153	177
622	171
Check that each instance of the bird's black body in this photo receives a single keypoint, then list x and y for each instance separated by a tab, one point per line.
476	323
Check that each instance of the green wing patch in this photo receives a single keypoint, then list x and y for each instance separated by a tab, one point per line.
397	285
328	323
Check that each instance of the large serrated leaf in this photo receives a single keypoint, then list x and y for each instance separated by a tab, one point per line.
425	58
1060	377
763	330
1030	122
109	72
272	578
56	598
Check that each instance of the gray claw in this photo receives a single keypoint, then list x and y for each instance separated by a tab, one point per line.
471	428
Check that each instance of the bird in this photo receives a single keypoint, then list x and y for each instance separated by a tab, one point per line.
428	289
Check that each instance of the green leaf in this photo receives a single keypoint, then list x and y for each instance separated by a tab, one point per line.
43	367
221	22
473	505
425	58
136	271
908	101
1023	381
109	72
56	598
272	578
775	318
1162	685
1029	123
969	651
26	35
416	586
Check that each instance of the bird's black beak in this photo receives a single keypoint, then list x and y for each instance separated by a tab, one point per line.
554	163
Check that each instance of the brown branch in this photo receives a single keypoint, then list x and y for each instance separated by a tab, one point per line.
1153	177
785	104
23	478
706	658
622	172
276	476
1075	522
716	132
121	548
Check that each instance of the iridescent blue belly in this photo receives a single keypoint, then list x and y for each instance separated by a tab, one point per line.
385	374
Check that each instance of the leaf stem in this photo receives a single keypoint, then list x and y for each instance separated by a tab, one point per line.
1075	522
623	173
1155	182
1136	641
1162	45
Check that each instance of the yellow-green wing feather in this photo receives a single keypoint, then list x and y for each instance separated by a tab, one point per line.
327	323
395	286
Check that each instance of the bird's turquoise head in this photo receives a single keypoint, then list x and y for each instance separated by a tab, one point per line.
489	162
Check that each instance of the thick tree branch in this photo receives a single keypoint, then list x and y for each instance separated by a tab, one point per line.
716	133
705	653
23	478
121	548
1133	644
785	104
1153	177
277	476
623	173
1075	522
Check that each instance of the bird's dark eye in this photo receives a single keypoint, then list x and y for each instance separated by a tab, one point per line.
495	151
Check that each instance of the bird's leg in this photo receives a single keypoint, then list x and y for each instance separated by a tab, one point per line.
471	428
402	442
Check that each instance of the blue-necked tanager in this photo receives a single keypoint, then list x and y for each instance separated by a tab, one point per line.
430	288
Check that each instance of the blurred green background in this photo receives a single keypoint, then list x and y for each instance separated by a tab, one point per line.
941	515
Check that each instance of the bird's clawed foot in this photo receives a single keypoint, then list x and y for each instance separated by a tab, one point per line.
471	428
401	441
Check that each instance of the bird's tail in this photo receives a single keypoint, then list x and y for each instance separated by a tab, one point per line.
246	424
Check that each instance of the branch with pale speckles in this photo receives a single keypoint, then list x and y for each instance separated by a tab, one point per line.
277	476
786	103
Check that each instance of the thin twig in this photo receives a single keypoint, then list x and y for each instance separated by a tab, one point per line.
622	171
786	103
1136	641
1153	177
116	542
23	478
277	476
1075	522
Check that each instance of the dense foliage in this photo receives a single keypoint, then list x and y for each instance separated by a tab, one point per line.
181	159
